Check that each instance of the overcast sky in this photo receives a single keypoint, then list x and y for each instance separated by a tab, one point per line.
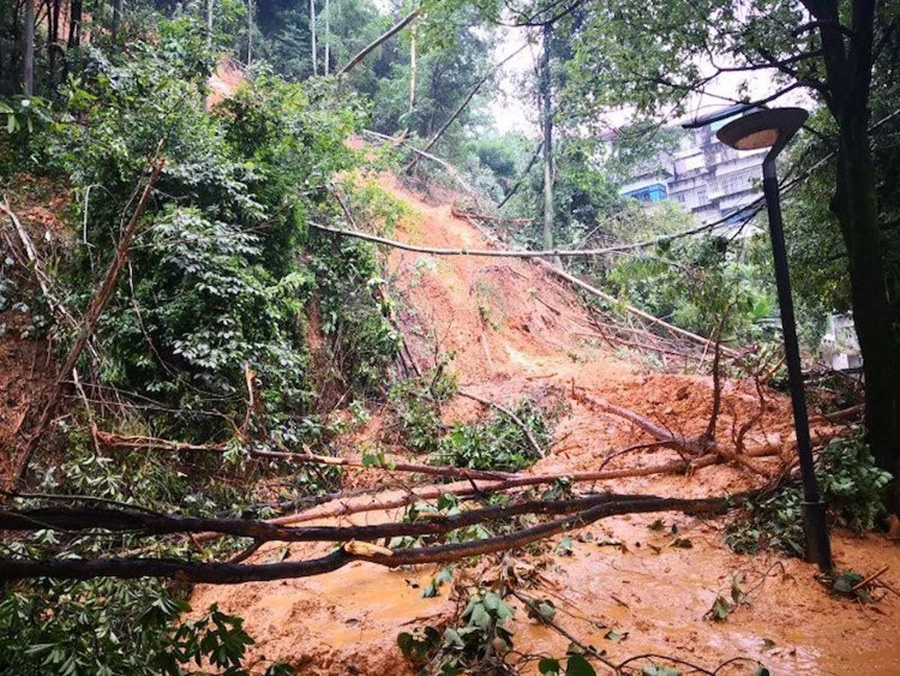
514	109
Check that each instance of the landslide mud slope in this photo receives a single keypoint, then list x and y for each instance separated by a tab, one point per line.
517	332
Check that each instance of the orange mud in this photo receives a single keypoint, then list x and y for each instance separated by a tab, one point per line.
515	333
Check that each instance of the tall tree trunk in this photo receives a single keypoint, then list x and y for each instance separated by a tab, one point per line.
413	67
210	5
53	46
28	50
327	37
856	206
249	32
547	122
312	37
75	23
848	67
117	16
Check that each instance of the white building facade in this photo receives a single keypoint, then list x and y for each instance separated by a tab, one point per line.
710	180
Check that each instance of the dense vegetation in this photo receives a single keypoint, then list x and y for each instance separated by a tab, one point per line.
239	329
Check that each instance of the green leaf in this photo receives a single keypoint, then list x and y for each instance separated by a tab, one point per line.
660	670
578	666
564	548
720	610
549	666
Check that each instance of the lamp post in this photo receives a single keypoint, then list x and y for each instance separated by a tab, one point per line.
773	129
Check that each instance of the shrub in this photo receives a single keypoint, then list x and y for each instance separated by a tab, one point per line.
498	444
851	486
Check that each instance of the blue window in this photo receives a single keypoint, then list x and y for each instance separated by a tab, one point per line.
651	193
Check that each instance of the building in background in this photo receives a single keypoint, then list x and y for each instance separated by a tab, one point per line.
710	180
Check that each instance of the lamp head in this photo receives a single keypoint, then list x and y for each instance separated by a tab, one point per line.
768	128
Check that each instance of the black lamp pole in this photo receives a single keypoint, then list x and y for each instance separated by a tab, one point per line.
815	526
774	128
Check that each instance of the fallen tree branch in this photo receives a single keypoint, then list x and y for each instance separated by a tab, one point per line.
79	519
449	168
226	573
89	323
391	32
584	286
138	442
487	253
512	191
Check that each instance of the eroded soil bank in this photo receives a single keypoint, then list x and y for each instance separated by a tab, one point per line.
517	332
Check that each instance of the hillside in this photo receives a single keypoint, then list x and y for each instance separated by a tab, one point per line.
620	574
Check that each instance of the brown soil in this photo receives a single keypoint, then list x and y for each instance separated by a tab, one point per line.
27	365
514	332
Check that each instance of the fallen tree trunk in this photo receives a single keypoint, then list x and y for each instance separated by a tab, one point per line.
228	573
153	443
75	519
365	51
487	253
584	286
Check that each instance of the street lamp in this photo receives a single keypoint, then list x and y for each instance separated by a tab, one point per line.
773	129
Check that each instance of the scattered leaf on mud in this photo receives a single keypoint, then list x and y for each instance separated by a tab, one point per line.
564	548
615	636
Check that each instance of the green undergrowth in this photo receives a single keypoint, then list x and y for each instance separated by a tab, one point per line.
851	486
108	626
497	443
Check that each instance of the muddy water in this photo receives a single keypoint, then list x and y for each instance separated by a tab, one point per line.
347	621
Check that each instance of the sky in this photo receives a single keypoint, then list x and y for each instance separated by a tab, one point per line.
511	111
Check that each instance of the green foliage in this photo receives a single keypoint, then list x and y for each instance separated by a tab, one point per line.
416	405
697	283
106	627
849	583
477	644
499	443
215	284
851	486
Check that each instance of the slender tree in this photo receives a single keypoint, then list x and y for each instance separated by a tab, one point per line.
250	4
327	37
210	6
75	10
547	128
312	37
28	50
116	16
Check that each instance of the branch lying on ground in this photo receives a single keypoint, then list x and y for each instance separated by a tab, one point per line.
153	443
225	573
79	519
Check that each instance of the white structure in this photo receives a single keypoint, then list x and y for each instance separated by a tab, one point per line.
711	180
